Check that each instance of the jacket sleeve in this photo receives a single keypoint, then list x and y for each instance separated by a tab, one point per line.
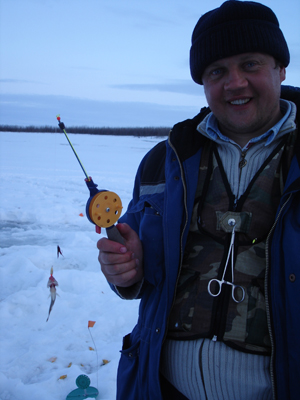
150	171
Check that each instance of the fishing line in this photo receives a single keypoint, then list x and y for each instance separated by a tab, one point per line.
90	325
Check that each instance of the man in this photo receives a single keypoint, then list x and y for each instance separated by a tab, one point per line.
213	229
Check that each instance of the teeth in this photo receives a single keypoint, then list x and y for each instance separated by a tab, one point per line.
240	101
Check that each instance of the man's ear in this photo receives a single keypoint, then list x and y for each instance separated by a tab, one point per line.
282	72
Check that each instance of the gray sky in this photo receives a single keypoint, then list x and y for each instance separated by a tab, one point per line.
109	62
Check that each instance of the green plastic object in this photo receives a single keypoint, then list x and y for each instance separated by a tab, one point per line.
84	390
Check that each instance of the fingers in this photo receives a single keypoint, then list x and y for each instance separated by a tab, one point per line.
123	275
109	255
120	269
127	232
122	264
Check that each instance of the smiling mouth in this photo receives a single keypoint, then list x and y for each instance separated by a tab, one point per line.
240	102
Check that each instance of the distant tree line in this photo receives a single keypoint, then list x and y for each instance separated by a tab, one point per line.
147	131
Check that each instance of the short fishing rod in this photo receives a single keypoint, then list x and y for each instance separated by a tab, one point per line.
103	207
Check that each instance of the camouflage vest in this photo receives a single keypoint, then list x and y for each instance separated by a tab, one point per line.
196	314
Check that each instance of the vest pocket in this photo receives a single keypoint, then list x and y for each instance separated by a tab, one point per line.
257	327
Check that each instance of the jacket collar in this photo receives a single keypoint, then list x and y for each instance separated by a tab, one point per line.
292	93
185	138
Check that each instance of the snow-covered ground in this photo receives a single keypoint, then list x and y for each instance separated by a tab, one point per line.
42	194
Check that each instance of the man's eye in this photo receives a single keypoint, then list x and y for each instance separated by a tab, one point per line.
216	71
250	64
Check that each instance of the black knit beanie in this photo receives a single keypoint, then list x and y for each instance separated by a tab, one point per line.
236	27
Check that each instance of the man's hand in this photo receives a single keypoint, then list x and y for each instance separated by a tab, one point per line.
122	265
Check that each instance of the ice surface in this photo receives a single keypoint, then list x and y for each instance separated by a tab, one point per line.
42	194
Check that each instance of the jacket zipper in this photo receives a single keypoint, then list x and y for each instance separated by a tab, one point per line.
242	164
181	237
267	299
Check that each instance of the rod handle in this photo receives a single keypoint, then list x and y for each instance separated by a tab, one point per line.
114	234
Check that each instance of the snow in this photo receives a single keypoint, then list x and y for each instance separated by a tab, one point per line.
43	194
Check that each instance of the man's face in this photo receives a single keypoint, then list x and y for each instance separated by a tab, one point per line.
243	92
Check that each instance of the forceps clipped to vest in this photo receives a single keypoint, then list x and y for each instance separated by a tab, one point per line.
219	282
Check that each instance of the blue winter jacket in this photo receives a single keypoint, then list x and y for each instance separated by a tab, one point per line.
160	212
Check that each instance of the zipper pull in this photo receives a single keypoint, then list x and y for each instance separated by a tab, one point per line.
235	203
243	161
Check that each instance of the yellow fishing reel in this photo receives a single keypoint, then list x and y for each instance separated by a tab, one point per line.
104	209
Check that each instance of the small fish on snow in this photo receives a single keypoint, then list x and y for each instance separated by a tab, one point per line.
59	252
52	283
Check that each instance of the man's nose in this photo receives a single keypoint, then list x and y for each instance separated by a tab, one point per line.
235	79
